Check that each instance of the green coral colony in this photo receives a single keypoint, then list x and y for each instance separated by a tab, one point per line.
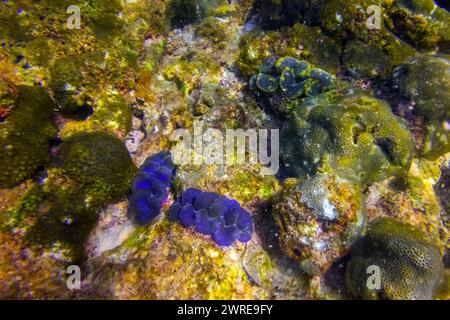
363	115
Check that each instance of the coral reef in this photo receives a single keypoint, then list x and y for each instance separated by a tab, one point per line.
364	61
363	114
213	214
149	190
411	267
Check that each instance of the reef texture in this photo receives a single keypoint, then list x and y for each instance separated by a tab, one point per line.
362	111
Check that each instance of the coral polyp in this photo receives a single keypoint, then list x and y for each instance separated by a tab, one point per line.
213	214
150	187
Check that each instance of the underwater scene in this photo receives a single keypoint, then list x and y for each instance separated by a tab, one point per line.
224	149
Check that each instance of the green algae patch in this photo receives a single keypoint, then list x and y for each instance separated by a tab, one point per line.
25	135
411	266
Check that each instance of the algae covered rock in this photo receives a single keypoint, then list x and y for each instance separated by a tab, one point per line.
110	113
99	162
29	272
25	135
411	267
420	23
94	169
362	60
357	137
317	219
300	42
425	81
167	261
183	12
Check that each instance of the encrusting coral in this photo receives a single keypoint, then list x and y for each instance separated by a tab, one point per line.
317	219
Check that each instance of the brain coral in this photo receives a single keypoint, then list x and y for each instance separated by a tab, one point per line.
411	267
213	214
358	137
149	189
25	135
425	81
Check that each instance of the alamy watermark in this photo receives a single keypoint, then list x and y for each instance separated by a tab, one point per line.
74	20
210	146
374	21
374	280
74	280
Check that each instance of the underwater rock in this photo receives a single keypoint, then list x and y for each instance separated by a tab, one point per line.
66	82
274	275
357	137
25	135
150	187
411	266
317	219
94	169
167	261
417	23
425	82
182	12
30	272
213	214
425	7
364	61
110	113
